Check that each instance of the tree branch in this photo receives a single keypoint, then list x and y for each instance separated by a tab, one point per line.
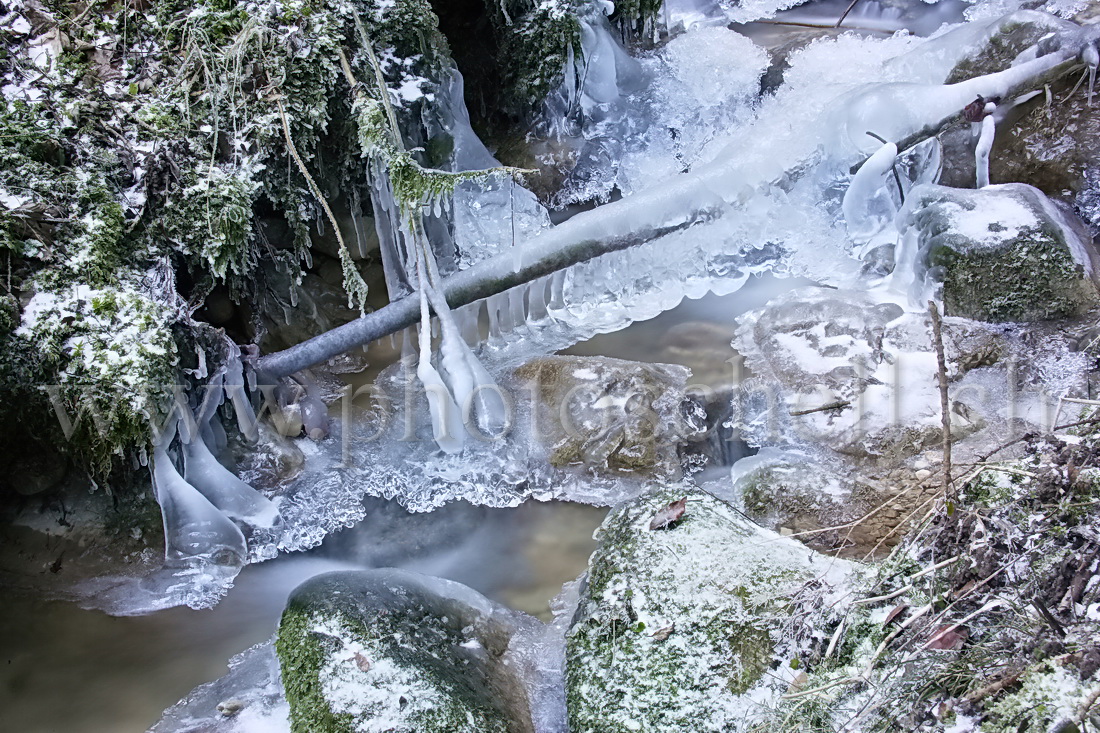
489	277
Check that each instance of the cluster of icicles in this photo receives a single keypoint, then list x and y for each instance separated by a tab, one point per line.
207	510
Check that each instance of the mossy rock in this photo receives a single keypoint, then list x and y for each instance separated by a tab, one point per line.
389	650
1003	253
678	627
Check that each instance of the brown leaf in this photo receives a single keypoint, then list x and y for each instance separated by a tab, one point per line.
668	515
965	589
898	610
948	637
662	634
361	662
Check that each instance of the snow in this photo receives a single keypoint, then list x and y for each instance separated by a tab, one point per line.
381	697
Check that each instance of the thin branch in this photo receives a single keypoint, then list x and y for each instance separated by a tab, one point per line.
945	403
840	404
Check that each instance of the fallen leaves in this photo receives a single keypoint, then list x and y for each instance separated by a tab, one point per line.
897	611
948	637
668	515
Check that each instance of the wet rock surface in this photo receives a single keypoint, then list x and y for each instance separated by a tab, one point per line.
604	414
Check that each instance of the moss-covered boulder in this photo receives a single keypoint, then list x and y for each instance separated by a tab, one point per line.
1002	253
684	620
390	650
611	416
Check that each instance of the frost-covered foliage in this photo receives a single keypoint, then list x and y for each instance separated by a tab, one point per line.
984	619
535	40
113	352
139	146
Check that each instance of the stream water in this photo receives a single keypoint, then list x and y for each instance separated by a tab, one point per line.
117	674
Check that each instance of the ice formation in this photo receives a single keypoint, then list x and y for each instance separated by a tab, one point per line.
733	183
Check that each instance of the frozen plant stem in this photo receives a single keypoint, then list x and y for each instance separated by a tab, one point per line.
982	149
945	407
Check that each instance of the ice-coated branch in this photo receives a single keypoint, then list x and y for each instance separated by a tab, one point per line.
489	277
1011	82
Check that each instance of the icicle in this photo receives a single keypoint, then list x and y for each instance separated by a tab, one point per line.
515	302
470	384
314	411
866	211
224	490
493	314
557	293
235	389
536	300
985	144
408	342
467	317
1092	59
193	527
447	427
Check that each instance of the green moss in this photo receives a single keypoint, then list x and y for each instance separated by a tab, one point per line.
1037	278
301	654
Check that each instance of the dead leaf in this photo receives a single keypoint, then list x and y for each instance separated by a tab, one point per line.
948	637
898	610
669	514
361	662
662	634
798	682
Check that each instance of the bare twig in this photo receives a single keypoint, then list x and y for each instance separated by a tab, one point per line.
1048	616
945	404
839	404
845	13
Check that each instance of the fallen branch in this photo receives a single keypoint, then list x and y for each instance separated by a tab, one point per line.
637	220
838	405
1009	83
489	277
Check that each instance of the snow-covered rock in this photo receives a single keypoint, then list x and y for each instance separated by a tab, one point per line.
838	369
691	623
391	650
1002	253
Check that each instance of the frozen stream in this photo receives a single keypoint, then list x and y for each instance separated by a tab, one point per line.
766	180
75	671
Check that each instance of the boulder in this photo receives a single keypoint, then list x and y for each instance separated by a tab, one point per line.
391	650
1002	253
680	624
